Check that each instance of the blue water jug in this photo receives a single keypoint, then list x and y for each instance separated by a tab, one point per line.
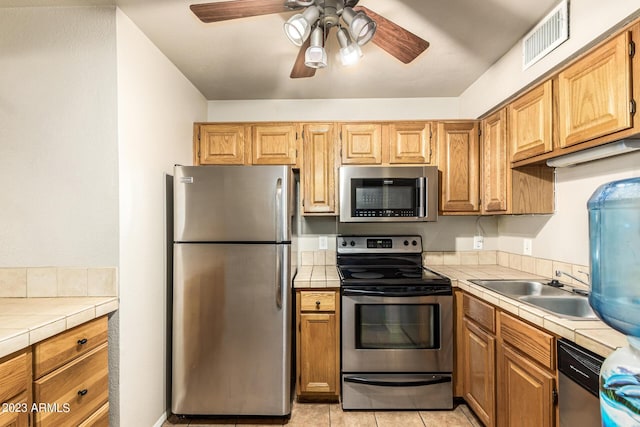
614	245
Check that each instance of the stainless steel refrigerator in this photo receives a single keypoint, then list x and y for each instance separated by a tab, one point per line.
233	266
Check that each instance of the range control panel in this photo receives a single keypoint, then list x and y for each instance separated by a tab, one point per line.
379	244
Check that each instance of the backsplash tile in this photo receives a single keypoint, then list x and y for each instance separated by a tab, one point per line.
48	282
42	282
72	282
101	282
13	282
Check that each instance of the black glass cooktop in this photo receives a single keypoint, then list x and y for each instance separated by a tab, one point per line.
390	275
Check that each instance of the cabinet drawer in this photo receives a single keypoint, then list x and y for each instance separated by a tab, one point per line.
60	349
14	375
77	389
480	312
100	418
535	344
317	300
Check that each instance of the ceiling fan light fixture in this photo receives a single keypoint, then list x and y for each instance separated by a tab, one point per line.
316	56
361	27
350	52
298	27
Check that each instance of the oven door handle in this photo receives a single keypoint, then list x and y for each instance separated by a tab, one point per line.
436	380
367	293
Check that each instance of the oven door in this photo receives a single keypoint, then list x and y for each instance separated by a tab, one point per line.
397	332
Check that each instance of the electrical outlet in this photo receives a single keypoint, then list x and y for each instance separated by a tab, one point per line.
322	243
527	247
478	242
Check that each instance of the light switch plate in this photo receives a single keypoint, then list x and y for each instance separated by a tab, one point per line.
527	247
323	243
478	242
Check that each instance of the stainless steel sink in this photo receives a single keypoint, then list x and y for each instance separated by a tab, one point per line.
538	294
516	288
571	306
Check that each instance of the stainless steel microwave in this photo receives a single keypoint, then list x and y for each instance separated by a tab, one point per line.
394	193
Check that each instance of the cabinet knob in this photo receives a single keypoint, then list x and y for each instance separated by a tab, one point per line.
82	341
317	304
82	392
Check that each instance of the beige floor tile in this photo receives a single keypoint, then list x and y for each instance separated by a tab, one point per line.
340	418
475	422
455	418
309	414
398	418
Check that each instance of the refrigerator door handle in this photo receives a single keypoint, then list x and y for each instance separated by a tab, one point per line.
279	209
279	272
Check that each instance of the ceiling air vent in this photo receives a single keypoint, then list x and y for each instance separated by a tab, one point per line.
547	35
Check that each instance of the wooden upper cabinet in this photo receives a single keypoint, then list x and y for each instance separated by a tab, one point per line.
319	168
410	142
595	93
361	143
496	172
531	122
220	144
274	144
459	161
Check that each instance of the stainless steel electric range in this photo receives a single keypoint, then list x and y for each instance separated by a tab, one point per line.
397	326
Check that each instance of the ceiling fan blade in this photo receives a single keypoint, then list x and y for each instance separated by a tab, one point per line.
234	9
299	70
394	39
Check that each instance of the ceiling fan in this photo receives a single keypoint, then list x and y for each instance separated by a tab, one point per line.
356	26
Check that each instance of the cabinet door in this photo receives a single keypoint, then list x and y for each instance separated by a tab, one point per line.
318	353
525	391
459	154
15	412
221	144
274	144
496	171
595	92
530	123
361	143
319	169
479	372
458	349
410	143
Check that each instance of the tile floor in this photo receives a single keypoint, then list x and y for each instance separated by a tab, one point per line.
331	415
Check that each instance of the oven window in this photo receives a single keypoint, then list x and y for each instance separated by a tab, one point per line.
397	326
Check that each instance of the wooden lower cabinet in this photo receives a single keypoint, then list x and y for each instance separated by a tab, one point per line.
71	381
508	366
317	345
525	391
15	389
479	371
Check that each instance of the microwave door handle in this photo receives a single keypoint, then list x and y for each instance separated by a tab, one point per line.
422	200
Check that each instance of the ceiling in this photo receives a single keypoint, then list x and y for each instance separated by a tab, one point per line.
251	58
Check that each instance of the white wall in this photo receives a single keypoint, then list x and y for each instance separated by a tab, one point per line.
334	109
156	110
588	19
564	236
58	148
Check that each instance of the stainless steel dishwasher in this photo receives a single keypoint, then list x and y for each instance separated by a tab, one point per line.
579	376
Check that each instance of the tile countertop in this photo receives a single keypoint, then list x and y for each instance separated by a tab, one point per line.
590	334
317	276
26	321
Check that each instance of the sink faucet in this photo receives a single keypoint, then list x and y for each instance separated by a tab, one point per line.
560	273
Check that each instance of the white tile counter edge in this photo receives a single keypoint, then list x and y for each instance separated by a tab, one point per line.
61	313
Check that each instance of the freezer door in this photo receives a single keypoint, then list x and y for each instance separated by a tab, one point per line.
231	330
232	203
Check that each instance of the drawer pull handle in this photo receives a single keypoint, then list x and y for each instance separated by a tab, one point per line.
82	341
82	392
